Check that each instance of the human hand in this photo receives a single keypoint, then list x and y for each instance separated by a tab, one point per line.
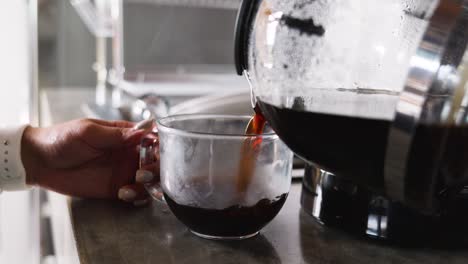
85	158
149	171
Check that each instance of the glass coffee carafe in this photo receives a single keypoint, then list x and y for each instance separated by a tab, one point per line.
372	92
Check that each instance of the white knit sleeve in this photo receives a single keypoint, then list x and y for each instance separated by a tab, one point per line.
12	172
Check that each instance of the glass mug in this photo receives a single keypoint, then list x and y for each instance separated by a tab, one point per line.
200	163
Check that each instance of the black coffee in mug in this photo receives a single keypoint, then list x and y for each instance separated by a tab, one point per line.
233	221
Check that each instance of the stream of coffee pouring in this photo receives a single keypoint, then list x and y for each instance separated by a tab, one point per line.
251	144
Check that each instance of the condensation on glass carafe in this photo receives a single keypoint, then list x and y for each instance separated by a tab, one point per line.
337	56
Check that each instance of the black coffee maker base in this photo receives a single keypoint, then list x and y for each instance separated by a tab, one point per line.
339	203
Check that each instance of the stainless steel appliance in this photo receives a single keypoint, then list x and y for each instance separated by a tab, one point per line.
373	95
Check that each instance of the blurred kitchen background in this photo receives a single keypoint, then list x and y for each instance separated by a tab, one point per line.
155	53
108	59
140	46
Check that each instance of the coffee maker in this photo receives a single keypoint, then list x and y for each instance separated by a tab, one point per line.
373	95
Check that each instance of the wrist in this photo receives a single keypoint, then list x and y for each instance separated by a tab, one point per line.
30	155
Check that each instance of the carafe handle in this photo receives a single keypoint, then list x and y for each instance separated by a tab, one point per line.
433	94
242	31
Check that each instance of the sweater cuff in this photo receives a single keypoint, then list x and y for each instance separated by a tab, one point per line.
12	172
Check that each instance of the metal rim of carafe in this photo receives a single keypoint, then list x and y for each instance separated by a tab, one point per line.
429	75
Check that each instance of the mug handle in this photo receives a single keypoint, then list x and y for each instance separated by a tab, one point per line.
149	160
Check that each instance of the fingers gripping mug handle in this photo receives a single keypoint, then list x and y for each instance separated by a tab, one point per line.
149	158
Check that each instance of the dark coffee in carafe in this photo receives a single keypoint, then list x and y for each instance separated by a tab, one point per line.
349	135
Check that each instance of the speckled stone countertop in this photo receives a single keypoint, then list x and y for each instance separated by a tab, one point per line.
109	232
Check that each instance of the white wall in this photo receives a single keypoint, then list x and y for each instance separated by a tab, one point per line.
18	211
14	62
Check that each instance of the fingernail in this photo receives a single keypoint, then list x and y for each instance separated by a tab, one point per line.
145	124
127	194
141	202
144	176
